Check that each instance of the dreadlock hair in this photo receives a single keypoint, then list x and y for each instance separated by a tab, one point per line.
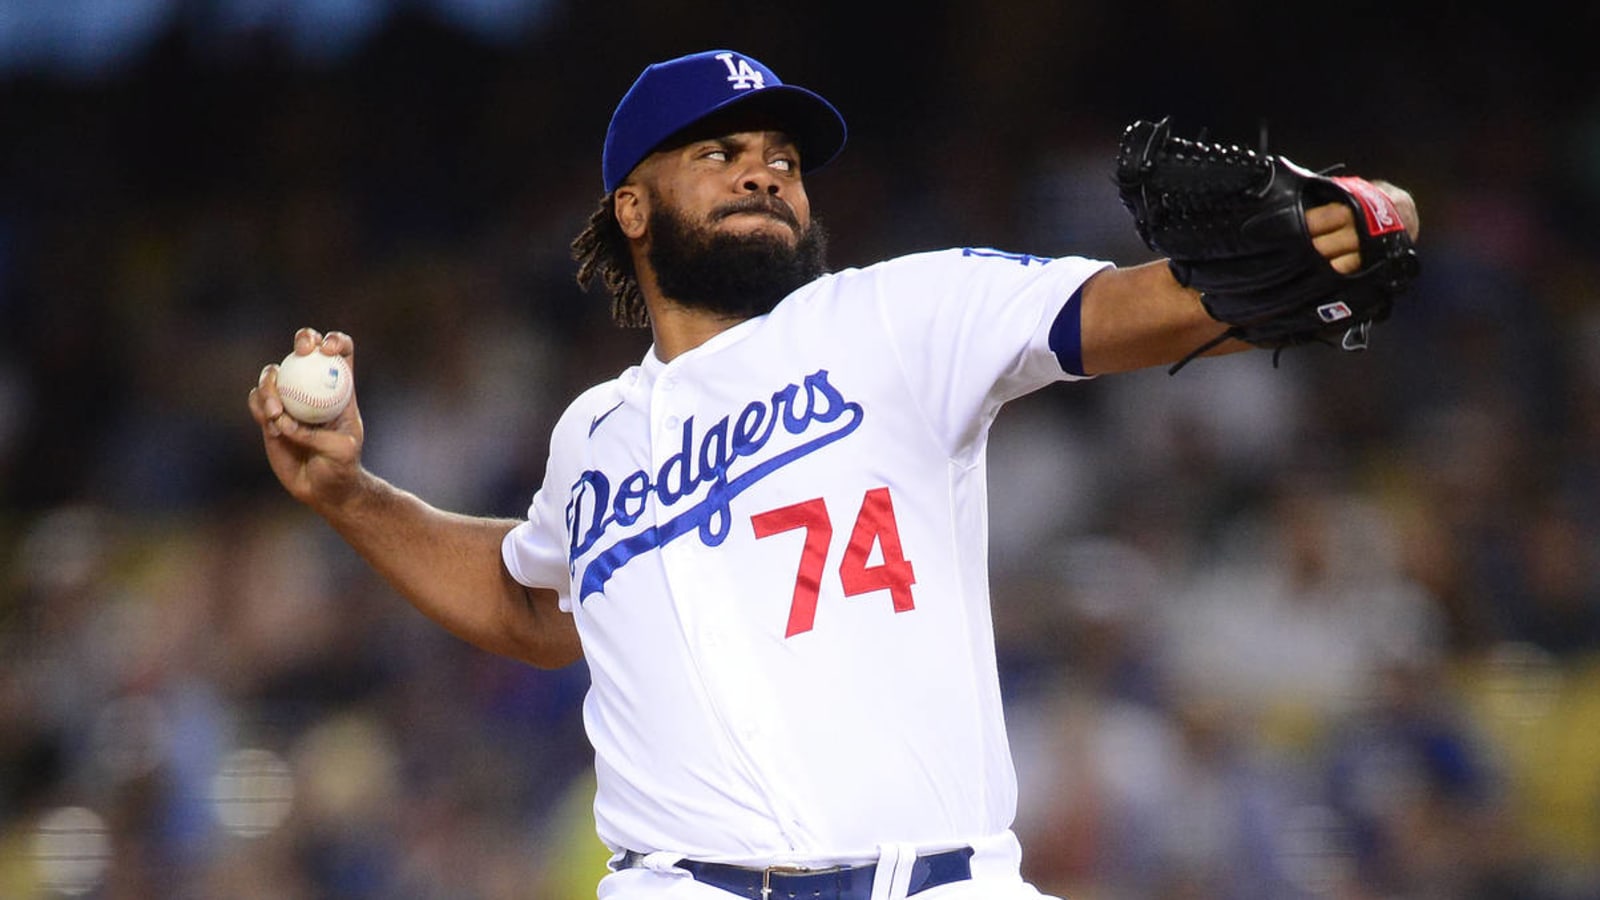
601	249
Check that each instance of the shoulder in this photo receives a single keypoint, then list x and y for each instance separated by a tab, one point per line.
594	402
938	265
922	278
925	268
906	264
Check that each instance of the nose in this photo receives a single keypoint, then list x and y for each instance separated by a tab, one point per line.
759	185
759	179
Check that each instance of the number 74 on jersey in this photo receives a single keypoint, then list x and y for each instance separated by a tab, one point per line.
874	526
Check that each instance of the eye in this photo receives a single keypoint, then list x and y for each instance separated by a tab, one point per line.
715	153
784	164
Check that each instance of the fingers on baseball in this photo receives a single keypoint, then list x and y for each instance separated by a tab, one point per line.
265	407
337	343
333	343
307	340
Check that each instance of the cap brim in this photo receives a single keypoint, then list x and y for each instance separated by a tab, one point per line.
812	122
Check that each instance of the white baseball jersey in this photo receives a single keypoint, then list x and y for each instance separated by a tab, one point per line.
775	548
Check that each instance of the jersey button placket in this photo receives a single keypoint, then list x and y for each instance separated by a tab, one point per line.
694	591
668	413
665	389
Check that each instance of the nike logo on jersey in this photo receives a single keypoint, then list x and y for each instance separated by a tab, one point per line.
706	458
595	422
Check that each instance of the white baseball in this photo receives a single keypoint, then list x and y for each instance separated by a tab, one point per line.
315	387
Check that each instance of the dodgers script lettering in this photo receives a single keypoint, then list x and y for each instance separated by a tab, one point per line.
705	459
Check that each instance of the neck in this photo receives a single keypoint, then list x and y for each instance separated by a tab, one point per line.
679	329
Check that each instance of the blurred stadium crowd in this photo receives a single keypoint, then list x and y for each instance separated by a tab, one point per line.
1325	629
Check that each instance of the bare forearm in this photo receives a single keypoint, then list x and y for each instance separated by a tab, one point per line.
1140	316
449	567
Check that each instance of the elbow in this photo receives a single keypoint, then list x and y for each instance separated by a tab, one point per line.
552	655
539	633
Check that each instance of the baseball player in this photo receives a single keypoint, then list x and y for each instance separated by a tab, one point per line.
768	538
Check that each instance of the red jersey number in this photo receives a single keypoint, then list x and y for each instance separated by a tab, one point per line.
875	527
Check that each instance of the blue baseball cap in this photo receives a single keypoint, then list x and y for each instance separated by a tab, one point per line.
670	96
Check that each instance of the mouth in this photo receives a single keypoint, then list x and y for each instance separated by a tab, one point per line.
757	206
753	220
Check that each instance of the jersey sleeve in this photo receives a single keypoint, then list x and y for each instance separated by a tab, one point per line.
974	328
536	550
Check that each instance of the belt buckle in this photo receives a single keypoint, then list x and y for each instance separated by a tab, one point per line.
766	875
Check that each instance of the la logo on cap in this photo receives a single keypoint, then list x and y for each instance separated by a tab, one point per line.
670	96
740	75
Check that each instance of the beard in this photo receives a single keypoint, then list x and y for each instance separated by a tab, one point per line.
733	275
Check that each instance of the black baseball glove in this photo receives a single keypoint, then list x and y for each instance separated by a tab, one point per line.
1231	223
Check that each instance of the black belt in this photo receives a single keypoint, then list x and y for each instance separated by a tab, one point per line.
836	883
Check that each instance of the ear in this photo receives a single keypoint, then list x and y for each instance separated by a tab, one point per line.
632	204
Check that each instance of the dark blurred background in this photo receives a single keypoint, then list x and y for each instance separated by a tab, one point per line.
1329	629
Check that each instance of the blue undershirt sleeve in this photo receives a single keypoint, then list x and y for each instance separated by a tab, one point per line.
1066	335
